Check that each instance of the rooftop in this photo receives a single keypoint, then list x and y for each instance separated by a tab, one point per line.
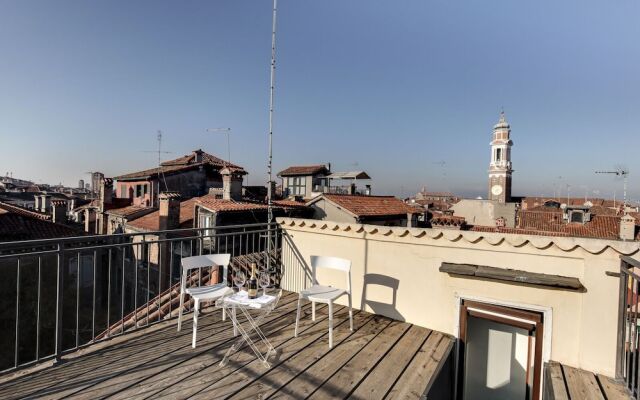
301	170
368	206
381	357
180	164
151	221
17	223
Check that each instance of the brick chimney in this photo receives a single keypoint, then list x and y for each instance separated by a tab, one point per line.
627	227
231	184
169	211
59	211
106	192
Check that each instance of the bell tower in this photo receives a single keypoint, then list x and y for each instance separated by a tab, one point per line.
500	166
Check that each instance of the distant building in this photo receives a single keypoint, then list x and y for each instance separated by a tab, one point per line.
309	181
81	184
485	212
191	175
376	210
500	168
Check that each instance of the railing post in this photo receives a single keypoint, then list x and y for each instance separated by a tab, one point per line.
622	300
59	302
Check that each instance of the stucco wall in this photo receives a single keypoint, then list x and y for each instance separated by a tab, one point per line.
485	212
400	269
325	210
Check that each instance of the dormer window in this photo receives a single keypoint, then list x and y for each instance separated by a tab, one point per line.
576	216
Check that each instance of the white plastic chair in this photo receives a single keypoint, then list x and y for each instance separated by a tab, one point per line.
326	294
198	293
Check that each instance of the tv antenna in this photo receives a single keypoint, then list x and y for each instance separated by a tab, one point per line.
160	153
621	172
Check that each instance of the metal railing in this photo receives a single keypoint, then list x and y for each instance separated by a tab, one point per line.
60	295
627	368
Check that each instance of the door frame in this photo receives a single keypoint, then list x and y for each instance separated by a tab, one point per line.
519	315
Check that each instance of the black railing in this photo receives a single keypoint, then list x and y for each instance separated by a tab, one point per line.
59	295
627	368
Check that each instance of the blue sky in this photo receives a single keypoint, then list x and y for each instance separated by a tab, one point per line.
394	86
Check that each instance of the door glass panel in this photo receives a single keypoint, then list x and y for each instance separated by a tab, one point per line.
496	357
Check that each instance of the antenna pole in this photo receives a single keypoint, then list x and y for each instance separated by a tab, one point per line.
269	164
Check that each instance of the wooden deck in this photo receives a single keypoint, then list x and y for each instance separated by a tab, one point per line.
381	358
564	383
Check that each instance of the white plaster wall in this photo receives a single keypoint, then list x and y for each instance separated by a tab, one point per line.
583	328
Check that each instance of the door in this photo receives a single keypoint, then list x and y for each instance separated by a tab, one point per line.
501	352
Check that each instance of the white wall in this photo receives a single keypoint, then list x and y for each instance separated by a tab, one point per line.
400	269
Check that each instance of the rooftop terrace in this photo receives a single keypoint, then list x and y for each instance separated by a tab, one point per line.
381	358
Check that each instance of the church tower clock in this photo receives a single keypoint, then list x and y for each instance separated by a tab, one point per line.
500	166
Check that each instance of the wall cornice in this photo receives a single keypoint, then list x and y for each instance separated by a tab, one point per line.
593	246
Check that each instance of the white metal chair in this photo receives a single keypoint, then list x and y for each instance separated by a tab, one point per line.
326	294
199	293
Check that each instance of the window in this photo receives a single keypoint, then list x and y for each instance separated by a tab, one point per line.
297	185
138	190
577	216
499	155
123	191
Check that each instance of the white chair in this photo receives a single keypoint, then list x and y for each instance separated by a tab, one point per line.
326	294
199	293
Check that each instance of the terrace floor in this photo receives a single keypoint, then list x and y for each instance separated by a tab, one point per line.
381	358
564	383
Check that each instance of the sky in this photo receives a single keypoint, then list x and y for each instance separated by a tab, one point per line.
405	90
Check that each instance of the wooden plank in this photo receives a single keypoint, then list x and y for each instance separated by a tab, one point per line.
352	372
513	275
219	341
380	380
613	390
579	387
311	378
418	374
554	387
202	371
256	377
591	384
286	371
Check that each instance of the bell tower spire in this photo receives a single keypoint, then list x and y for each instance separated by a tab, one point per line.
500	166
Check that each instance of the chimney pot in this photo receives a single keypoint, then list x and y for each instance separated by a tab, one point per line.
231	184
169	211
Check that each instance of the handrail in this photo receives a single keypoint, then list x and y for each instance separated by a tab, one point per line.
628	336
83	287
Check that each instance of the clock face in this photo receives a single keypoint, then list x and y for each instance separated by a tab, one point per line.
496	190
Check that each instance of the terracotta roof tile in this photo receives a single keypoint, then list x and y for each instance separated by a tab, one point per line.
369	206
20	224
183	163
130	211
219	205
151	222
304	170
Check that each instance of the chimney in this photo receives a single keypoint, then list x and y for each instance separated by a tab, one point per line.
36	205
106	192
59	213
45	203
198	155
231	184
627	227
169	211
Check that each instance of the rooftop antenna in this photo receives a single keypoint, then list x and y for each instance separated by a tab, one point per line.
623	173
224	131
269	164
160	153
